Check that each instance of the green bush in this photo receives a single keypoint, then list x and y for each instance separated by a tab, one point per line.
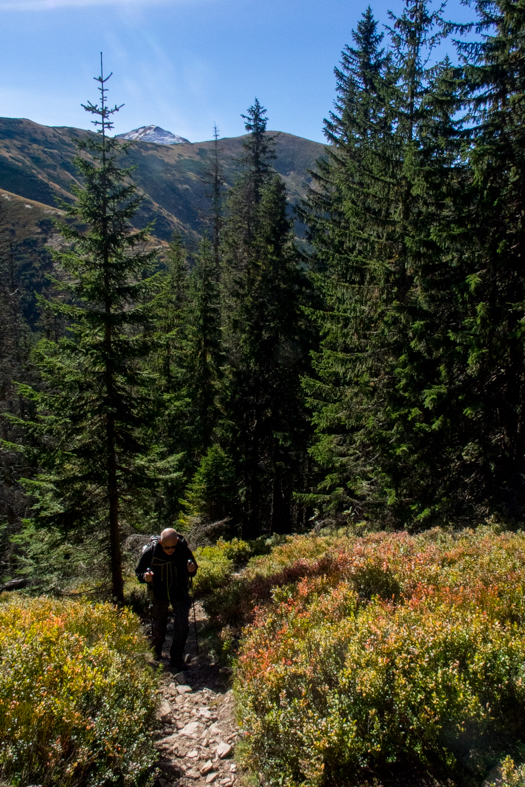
389	656
217	563
77	699
215	568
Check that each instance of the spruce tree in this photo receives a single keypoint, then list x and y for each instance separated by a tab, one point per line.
418	393
347	212
495	249
170	364
214	178
94	411
205	350
15	344
377	219
263	290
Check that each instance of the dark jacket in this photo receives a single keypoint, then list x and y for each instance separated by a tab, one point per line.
170	572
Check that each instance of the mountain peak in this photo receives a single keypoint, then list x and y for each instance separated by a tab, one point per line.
153	134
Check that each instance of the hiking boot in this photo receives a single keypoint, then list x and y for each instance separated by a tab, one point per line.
178	665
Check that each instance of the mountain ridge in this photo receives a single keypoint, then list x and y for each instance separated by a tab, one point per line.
154	134
36	162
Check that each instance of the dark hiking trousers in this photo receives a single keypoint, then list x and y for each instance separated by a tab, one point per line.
181	626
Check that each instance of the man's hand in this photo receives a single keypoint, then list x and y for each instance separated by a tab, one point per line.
191	567
148	576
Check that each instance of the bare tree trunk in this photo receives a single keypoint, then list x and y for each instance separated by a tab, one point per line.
117	581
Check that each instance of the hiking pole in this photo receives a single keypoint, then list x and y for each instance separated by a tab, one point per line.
194	616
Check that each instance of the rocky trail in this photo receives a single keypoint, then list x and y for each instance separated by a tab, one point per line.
197	729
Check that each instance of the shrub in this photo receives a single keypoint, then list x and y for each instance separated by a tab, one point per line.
77	700
384	654
298	557
510	775
217	563
215	568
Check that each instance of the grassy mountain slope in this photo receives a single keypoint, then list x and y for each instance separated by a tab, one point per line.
27	235
36	163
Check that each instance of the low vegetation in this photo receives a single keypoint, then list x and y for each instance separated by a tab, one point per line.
77	699
388	656
218	563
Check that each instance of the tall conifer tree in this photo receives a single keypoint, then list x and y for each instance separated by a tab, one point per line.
495	250
15	346
205	350
214	178
347	212
170	364
96	406
262	289
376	217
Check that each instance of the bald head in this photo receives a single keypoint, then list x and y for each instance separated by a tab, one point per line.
169	537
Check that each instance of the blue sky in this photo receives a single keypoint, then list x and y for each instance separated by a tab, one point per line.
181	64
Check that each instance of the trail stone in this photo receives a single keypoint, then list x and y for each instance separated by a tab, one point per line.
167	743
165	711
195	733
192	729
207	714
223	750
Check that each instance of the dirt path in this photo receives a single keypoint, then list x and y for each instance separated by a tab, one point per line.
196	739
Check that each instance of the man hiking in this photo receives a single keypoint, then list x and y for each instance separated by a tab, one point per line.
166	565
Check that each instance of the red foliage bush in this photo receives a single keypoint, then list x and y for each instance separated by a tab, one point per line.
384	652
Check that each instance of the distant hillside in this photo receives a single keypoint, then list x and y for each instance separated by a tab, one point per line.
36	163
27	236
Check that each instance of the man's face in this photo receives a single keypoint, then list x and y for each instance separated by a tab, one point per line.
169	544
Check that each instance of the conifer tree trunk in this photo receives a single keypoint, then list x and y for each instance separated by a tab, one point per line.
113	501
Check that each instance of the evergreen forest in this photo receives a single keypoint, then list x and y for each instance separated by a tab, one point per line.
368	372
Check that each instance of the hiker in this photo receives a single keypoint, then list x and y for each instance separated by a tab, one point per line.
166	565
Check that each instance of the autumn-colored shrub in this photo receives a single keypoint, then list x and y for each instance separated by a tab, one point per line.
510	775
234	601
384	654
77	699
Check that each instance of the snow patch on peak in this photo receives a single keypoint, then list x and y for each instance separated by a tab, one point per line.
153	134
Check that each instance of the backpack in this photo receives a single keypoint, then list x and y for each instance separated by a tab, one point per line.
154	540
